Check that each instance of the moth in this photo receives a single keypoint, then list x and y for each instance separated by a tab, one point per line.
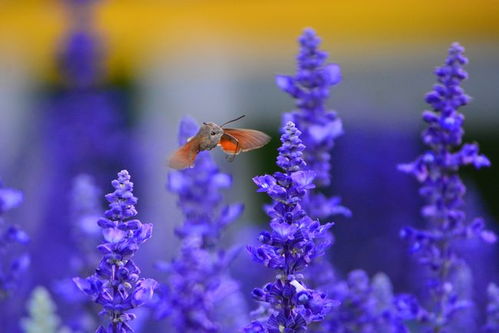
231	140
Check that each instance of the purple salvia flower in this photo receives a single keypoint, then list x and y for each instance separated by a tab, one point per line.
84	128
319	126
437	170
293	243
13	260
199	286
492	324
116	284
86	234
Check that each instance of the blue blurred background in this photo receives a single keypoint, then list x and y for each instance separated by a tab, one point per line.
98	86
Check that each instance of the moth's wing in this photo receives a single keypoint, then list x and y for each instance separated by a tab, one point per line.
236	140
184	156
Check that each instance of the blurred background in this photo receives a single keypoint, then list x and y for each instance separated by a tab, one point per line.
98	86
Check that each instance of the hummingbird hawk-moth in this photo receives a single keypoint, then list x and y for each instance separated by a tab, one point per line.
231	140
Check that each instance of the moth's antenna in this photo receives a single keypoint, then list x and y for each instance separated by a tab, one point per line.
233	120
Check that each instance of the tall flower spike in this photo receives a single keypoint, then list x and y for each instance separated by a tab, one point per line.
294	241
437	170
200	295
73	144
116	284
319	126
86	235
13	260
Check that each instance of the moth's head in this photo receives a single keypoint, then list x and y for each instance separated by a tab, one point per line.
211	134
212	129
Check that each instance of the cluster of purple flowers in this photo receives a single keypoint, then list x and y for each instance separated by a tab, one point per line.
294	241
116	284
199	291
319	125
14	260
82	131
437	170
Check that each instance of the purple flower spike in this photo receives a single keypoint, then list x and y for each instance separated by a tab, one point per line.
310	87
437	170
116	284
86	234
13	259
200	295
319	126
294	241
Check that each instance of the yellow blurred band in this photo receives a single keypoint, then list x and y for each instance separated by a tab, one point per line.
131	30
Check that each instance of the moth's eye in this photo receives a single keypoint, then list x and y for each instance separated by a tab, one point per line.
212	133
